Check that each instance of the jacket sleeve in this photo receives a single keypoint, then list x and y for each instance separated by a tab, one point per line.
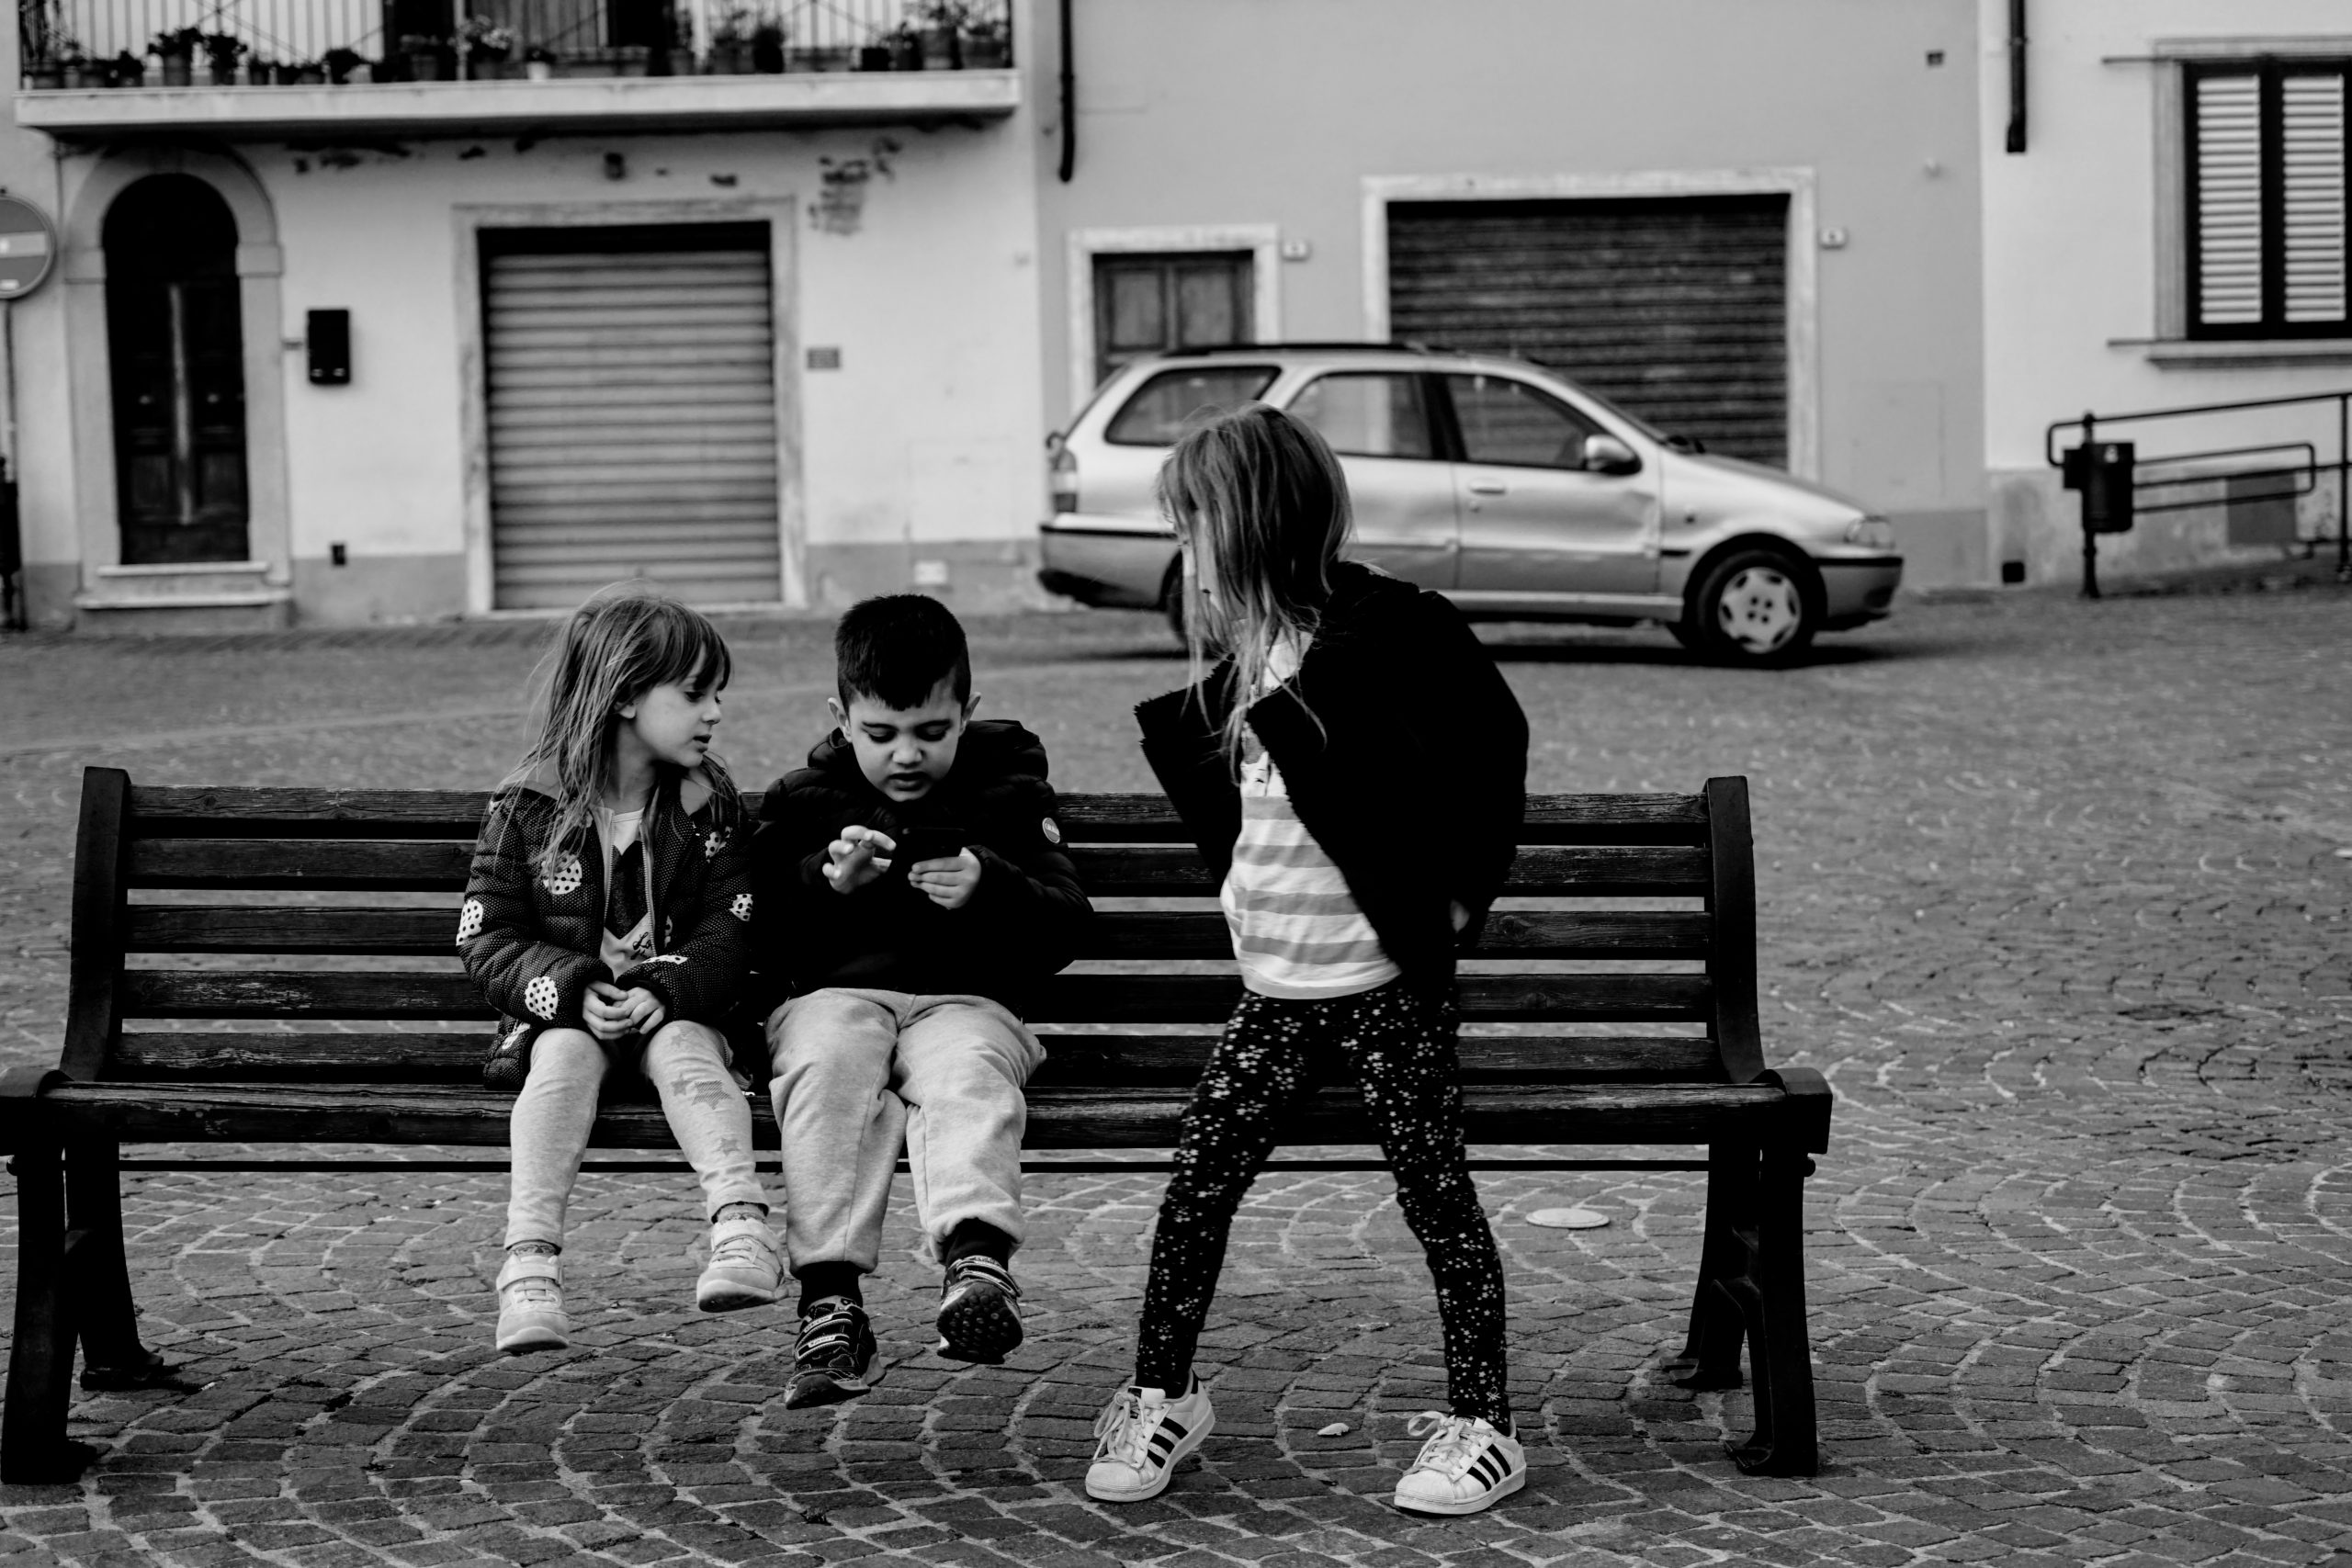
1484	741
702	976
1029	897
516	973
1182	744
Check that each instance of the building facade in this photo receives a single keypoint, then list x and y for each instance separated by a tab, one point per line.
2165	200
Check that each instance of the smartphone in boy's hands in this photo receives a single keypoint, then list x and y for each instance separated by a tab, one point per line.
917	845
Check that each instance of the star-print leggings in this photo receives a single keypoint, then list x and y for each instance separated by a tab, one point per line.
1274	1052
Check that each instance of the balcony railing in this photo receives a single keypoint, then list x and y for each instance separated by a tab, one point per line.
261	44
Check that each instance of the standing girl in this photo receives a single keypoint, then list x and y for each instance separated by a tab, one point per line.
1354	770
607	918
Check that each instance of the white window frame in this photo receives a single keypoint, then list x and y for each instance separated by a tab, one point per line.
1803	284
1262	241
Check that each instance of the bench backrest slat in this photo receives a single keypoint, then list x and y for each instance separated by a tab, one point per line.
299	904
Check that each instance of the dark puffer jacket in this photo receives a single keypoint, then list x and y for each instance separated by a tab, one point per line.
1023	924
530	938
1407	763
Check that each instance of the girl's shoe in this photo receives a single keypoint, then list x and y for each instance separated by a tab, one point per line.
980	1310
1466	1465
1141	1436
745	1264
530	1304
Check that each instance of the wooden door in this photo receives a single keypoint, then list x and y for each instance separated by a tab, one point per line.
1150	304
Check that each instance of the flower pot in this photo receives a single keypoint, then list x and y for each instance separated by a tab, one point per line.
424	66
485	64
287	75
592	62
538	70
989	56
906	53
223	75
732	58
45	77
680	63
636	60
874	57
767	56
942	49
90	74
821	60
179	70
311	76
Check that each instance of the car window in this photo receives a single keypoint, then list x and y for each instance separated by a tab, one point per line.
1368	413
1172	401
1509	422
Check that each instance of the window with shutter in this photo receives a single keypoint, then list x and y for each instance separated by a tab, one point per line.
2267	198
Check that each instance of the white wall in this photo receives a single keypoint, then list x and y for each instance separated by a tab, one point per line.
2074	265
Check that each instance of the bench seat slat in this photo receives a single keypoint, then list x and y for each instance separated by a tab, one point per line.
178	812
394	1056
1065	998
1116	934
1058	1117
1142	871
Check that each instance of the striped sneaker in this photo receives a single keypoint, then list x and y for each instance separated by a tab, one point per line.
980	1311
1140	1439
1466	1465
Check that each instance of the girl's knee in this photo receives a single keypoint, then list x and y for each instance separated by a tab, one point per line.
685	1050
566	1055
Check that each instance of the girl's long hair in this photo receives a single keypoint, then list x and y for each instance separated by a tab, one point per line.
1260	506
622	643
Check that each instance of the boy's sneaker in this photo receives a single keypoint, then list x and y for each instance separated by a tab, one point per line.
745	1263
980	1310
530	1303
1141	1436
1465	1466
834	1358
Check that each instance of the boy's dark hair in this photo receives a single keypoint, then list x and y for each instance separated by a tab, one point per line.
896	650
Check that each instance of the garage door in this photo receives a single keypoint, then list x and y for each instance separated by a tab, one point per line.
1676	308
632	412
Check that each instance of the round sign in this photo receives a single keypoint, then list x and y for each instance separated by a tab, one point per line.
27	247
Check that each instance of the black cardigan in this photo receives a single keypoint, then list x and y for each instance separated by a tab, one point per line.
1404	752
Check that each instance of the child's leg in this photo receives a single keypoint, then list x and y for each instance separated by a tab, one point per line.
1402	1047
687	1064
960	1066
841	1126
549	1129
1262	1067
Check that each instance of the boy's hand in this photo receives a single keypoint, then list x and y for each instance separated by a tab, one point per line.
949	884
851	860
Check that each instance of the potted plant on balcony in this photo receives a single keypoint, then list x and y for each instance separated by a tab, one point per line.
767	47
987	41
942	32
426	58
126	70
483	46
339	63
175	49
876	54
46	70
906	47
76	68
221	53
731	44
538	63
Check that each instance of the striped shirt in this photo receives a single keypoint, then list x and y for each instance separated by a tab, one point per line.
1297	932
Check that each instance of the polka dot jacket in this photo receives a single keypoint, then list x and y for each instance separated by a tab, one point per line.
528	931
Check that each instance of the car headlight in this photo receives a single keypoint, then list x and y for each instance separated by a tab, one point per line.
1873	532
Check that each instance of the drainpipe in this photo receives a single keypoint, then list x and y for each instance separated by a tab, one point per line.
2016	74
1069	98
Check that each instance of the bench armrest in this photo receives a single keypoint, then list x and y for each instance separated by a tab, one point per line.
1809	1105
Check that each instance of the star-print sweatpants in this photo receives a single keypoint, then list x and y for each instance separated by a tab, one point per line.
1400	1046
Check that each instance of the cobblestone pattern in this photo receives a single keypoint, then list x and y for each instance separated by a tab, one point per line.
2053	892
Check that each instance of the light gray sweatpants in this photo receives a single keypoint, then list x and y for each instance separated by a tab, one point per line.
856	1070
687	1064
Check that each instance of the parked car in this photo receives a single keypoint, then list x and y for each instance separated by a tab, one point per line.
1508	487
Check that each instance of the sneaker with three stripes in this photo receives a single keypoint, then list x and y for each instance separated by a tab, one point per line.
1140	1439
1466	1465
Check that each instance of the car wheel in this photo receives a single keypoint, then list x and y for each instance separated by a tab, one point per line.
1752	608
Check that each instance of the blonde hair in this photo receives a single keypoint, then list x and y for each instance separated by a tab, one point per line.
1260	505
622	643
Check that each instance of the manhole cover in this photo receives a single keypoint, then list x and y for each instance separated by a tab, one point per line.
1569	1219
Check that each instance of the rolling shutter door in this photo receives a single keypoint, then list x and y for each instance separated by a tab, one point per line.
1675	307
633	413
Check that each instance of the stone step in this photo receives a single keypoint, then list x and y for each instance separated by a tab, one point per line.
197	596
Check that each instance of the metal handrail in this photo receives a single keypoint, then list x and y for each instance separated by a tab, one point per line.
2091	425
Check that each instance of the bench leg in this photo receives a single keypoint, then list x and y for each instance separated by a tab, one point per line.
34	1450
1785	1441
98	1274
1718	1324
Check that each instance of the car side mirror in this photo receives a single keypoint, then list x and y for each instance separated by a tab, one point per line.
1607	455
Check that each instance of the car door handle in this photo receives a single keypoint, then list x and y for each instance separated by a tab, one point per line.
1488	486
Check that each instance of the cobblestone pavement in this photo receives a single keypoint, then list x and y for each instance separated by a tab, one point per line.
2055	894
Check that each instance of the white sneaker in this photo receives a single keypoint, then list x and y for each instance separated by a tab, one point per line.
745	1264
1466	1465
1141	1436
530	1304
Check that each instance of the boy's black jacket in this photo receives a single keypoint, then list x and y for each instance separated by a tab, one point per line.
1407	763
1023	924
530	941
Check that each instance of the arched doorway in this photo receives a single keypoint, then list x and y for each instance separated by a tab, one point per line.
175	335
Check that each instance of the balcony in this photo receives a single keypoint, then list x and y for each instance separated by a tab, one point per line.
98	69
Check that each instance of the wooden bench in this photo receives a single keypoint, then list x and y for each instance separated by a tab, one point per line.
1650	899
